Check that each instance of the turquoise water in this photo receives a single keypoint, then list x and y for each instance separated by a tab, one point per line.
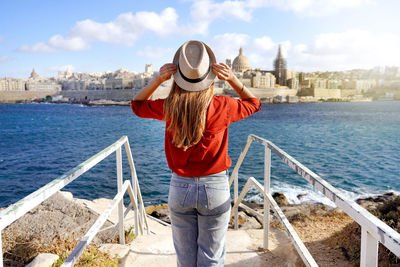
354	146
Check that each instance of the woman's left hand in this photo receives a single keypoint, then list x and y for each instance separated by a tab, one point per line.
166	71
223	71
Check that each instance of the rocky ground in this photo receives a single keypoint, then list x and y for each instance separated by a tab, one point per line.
331	236
54	226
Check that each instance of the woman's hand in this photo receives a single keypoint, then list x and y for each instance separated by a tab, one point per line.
164	74
166	71
223	71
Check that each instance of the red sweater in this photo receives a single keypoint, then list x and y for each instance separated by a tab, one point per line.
210	155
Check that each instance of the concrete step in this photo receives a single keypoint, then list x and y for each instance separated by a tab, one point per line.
244	248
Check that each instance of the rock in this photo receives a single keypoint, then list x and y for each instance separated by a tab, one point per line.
372	203
242	219
159	211
59	220
162	214
150	209
297	212
300	196
280	199
43	260
251	223
253	204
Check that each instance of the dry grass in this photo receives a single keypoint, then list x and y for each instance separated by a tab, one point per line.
338	231
20	252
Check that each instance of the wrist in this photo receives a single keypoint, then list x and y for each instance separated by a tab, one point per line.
158	79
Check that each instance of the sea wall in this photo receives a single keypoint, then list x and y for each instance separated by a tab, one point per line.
348	92
266	92
13	96
321	93
119	94
114	94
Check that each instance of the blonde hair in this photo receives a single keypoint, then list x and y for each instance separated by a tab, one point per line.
186	112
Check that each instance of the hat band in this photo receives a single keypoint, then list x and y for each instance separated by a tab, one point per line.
193	80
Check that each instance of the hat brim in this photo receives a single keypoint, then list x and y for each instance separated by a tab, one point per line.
195	86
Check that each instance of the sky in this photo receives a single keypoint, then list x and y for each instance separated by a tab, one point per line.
99	35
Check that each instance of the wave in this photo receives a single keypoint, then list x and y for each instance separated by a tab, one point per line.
307	194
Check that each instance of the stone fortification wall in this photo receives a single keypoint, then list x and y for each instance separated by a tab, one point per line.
349	92
269	92
12	96
114	94
321	93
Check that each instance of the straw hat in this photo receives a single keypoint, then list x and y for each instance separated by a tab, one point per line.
194	60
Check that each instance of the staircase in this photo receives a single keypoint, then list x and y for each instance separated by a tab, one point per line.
244	247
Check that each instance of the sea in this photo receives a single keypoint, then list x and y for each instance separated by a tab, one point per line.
353	146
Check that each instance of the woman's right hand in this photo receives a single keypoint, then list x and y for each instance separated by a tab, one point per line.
166	71
223	71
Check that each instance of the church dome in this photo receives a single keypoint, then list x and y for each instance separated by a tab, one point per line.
34	74
241	63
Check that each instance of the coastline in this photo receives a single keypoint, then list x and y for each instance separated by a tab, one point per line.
107	102
123	96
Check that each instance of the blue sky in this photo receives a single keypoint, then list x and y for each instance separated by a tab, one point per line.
96	36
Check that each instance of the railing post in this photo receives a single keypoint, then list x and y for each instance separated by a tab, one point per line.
235	198
134	187
121	203
267	186
369	249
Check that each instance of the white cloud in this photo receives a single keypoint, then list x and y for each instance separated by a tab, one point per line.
204	12
227	45
264	43
128	27
4	59
156	52
328	51
350	49
61	68
312	8
125	29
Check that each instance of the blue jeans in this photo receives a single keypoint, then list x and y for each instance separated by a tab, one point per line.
199	208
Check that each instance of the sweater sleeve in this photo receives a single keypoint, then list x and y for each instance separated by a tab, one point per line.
240	109
150	109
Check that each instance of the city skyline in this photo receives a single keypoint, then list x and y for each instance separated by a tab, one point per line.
98	36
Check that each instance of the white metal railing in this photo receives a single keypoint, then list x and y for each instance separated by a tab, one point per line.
373	230
15	211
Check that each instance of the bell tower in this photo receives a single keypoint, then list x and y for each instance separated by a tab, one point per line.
280	68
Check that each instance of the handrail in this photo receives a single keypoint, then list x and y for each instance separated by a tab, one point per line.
18	209
300	247
373	230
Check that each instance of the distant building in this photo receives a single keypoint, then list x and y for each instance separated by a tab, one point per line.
42	85
241	63
34	75
149	68
262	79
9	84
280	68
122	79
228	62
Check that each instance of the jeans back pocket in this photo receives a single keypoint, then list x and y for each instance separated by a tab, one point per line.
177	194
218	197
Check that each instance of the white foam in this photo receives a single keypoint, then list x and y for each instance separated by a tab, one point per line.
307	194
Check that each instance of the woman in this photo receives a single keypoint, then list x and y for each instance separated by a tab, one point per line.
196	146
